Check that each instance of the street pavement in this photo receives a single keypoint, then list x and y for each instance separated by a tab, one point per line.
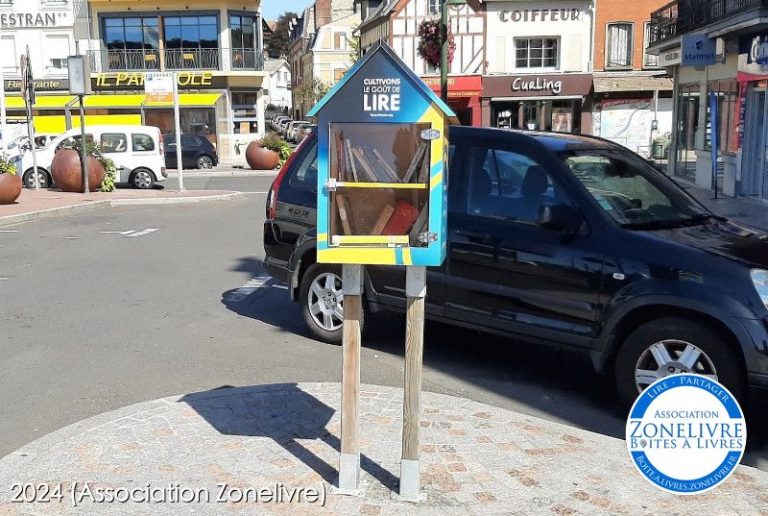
112	307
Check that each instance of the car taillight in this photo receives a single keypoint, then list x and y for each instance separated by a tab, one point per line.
272	195
162	144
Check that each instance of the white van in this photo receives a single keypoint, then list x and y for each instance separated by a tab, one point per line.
137	151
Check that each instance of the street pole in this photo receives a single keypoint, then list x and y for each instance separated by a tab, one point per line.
83	143
177	129
31	135
444	50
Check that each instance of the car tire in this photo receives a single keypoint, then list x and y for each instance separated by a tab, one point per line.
204	162
142	178
685	345
29	180
323	320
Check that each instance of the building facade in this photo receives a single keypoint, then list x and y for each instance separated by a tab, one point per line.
632	102
397	23
278	86
214	47
719	59
539	73
47	29
321	50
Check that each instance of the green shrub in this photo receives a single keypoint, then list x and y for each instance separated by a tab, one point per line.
6	166
272	141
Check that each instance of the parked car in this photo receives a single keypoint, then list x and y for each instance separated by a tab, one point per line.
21	144
196	152
305	131
561	240
282	125
290	130
137	151
276	122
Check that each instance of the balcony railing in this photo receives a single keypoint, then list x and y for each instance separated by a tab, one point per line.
683	16
110	60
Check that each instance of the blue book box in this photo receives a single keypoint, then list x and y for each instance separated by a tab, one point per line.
382	166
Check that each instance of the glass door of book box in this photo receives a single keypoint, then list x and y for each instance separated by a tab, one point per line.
382	184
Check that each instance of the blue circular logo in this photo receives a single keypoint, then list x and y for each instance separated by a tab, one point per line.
686	434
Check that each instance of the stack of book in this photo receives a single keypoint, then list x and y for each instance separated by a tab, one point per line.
361	164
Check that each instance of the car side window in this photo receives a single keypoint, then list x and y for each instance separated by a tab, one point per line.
187	140
113	142
504	184
305	177
142	142
73	140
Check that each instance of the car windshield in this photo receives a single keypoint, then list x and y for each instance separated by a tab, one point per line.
631	192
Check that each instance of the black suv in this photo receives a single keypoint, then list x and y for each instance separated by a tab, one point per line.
565	240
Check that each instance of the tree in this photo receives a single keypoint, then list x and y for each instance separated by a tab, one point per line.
355	50
311	91
280	40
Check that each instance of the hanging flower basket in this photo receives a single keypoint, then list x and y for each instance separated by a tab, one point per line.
430	40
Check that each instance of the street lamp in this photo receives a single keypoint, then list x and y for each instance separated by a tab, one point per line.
444	44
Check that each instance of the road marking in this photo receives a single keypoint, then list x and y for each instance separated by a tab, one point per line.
9	230
249	288
282	287
130	232
144	232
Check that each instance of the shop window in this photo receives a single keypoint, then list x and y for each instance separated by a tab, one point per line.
536	52
142	142
244	40
649	60
132	43
113	142
727	92
619	45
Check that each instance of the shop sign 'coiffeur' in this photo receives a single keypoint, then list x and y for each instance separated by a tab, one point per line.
543	15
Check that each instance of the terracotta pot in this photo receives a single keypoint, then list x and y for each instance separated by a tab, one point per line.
259	158
10	188
66	173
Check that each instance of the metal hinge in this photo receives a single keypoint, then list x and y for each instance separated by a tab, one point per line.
430	134
427	237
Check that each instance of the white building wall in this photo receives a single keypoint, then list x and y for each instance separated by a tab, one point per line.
570	22
46	27
465	24
279	87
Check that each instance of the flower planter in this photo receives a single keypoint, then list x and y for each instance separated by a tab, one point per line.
10	188
260	158
67	175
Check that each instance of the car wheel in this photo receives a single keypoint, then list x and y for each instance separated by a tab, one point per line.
42	178
672	345
322	302
204	162
142	178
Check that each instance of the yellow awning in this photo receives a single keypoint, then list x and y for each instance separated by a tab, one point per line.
41	102
190	100
113	101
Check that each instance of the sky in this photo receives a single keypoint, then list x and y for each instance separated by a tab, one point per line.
272	9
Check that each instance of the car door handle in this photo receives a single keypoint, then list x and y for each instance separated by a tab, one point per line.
473	234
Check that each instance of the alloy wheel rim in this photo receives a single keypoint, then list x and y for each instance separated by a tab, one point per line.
142	179
671	356
38	179
204	162
326	301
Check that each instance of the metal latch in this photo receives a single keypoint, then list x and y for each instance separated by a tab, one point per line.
427	237
430	134
330	185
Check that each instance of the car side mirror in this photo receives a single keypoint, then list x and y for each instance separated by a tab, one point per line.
559	217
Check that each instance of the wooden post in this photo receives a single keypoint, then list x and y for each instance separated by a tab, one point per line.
349	461
416	290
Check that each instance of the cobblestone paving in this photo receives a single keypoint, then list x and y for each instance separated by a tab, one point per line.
476	459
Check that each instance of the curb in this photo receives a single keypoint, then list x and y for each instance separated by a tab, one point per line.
233	173
175	200
91	205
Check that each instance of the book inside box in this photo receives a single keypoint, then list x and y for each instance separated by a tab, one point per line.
382	177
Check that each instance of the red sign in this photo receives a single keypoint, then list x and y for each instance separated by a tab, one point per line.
458	85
